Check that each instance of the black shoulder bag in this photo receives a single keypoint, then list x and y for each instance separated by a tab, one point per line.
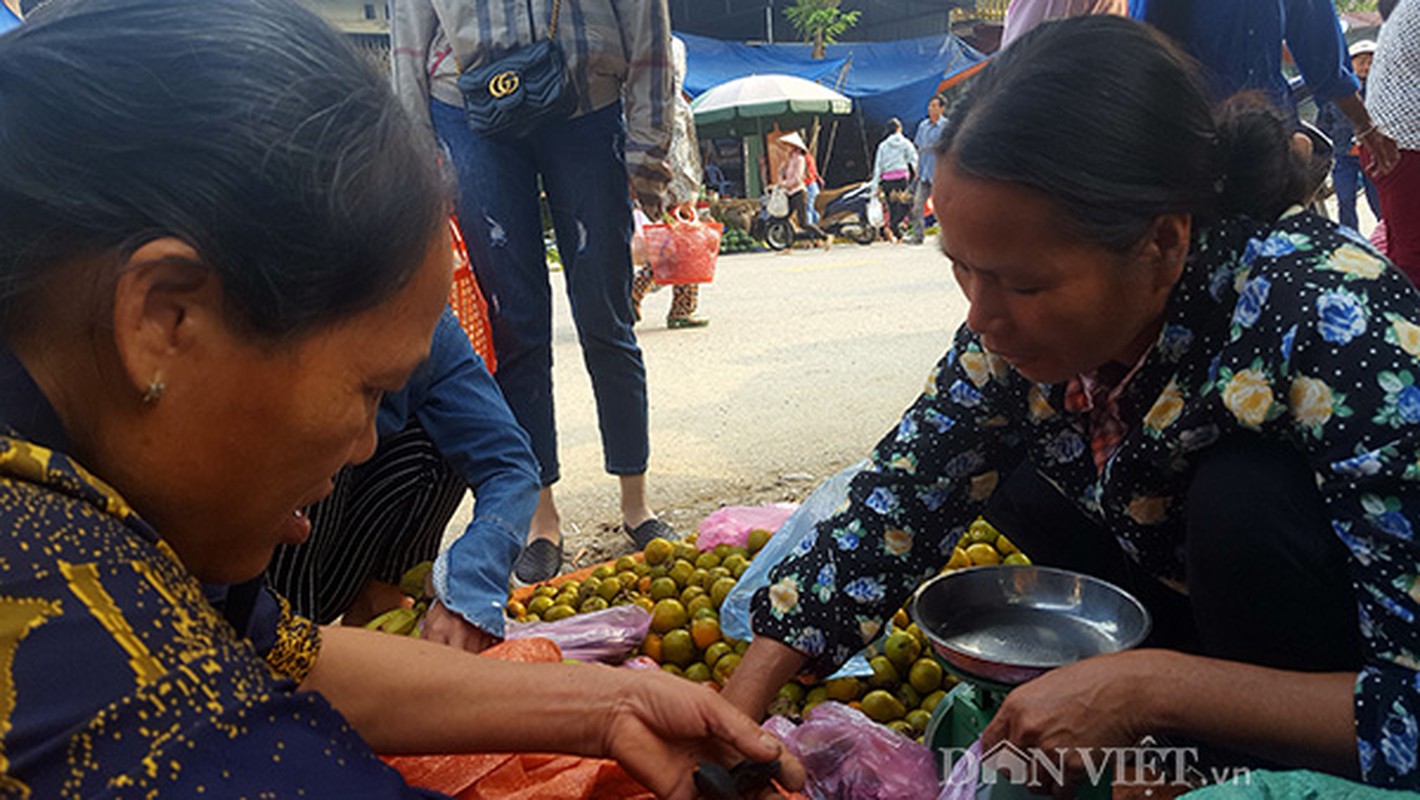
513	96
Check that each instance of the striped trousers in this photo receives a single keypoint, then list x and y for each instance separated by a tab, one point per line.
383	517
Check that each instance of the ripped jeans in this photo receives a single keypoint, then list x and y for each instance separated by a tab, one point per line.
580	164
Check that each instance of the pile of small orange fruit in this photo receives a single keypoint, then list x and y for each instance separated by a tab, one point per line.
683	589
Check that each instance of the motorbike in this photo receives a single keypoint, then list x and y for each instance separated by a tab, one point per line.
843	211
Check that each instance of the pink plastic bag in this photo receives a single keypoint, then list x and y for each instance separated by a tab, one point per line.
731	525
607	636
966	773
845	754
640	662
1379	238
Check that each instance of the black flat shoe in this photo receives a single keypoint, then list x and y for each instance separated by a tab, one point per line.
540	561
650	529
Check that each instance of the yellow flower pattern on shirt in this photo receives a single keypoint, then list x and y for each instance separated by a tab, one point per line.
119	679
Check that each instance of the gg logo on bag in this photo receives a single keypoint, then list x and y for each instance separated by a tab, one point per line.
503	84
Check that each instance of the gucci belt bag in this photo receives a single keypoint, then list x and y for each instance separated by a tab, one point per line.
515	95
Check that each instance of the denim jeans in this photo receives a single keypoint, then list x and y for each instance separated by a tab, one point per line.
581	166
809	210
1344	176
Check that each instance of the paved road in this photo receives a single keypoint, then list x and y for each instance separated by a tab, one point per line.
810	357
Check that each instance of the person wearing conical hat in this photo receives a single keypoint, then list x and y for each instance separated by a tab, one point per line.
793	179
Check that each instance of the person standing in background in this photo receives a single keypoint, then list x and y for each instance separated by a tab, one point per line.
926	141
684	191
813	184
1239	47
893	166
1394	103
618	58
1346	173
1022	15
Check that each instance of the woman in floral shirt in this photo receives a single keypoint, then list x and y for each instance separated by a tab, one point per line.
1218	389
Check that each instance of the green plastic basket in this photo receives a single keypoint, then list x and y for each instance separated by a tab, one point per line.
958	721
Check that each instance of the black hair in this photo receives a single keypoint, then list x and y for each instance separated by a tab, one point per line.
893	126
1386	7
249	129
1110	119
940	99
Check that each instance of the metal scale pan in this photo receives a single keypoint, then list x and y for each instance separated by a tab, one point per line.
1004	625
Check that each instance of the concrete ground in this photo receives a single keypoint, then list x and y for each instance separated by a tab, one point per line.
809	359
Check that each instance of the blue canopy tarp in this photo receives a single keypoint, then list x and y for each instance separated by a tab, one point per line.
884	79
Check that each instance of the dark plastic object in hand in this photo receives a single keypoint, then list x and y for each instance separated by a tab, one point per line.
745	780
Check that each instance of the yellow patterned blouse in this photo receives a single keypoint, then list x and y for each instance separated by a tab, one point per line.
117	677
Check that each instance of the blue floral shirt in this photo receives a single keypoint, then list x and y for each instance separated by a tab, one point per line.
1295	330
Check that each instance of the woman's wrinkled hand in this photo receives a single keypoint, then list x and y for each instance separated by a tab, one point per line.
659	728
1095	703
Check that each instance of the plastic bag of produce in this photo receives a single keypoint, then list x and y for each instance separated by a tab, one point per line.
845	754
731	525
683	250
796	531
607	636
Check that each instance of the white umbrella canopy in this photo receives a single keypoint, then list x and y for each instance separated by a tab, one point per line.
760	96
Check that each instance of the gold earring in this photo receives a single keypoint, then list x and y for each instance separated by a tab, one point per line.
156	387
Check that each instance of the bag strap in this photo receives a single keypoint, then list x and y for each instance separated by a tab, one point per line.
552	30
532	26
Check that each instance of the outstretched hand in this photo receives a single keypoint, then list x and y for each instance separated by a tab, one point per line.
660	727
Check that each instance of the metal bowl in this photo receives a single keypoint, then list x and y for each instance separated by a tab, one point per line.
1009	624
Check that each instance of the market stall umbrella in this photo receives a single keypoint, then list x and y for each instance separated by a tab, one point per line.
766	96
741	106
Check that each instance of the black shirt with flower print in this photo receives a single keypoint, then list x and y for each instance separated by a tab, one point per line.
1295	330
